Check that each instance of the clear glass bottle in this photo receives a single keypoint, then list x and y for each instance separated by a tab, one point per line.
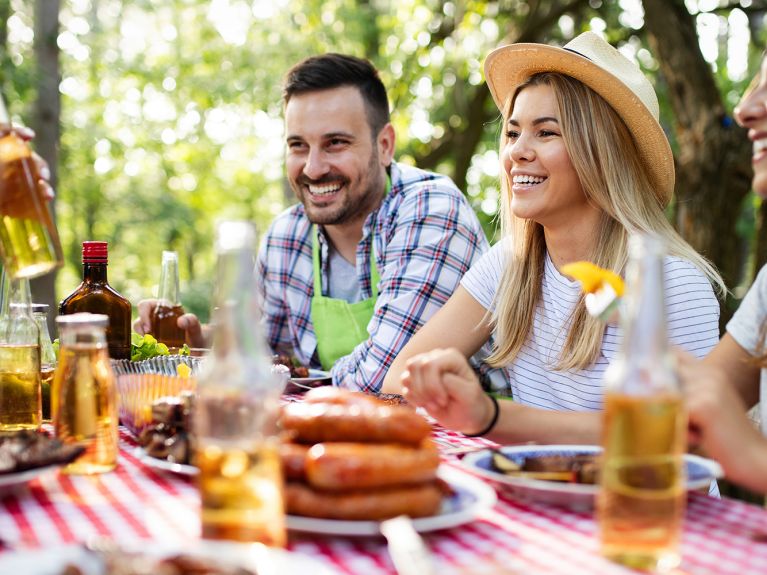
165	315
29	241
20	400
95	295
641	500
241	485
84	397
47	357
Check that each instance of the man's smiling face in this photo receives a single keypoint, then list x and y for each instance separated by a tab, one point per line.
335	166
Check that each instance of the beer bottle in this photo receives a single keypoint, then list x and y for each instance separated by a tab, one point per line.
165	315
237	407
642	495
95	295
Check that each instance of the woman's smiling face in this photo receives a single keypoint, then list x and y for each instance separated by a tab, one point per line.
751	113
543	182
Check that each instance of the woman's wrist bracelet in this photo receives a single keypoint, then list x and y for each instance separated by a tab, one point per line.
493	420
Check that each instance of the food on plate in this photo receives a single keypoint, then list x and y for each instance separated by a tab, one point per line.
296	370
118	562
27	449
351	456
169	435
418	500
578	468
364	420
603	288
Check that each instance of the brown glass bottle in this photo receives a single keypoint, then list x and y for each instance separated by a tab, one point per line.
165	316
95	295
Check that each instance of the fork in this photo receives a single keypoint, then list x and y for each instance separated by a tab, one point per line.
407	549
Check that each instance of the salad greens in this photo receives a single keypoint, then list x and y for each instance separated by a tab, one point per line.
146	347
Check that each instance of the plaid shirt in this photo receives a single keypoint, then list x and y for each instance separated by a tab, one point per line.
426	236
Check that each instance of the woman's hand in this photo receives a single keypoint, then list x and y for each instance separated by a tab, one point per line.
443	383
718	422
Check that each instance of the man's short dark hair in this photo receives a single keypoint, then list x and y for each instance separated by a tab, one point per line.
334	71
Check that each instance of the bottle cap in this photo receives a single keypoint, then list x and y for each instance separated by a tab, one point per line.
94	252
40	308
83	319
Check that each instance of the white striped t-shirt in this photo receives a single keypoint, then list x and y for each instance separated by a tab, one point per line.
693	324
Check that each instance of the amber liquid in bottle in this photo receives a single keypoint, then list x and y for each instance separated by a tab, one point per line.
46	382
85	396
165	327
95	295
19	387
29	242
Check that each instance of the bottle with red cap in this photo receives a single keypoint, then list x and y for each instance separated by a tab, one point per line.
95	295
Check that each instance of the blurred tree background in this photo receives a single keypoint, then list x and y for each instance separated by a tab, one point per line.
161	116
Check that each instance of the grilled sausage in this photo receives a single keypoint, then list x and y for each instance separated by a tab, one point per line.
415	500
344	466
318	422
293	457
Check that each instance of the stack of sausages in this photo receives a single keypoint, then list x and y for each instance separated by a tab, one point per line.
352	457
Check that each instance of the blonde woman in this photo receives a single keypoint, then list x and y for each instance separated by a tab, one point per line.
584	162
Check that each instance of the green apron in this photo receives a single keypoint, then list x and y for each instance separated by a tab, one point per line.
339	326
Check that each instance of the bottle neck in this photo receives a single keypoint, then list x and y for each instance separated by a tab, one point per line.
95	272
645	329
168	290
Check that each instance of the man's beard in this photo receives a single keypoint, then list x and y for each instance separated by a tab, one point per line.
351	207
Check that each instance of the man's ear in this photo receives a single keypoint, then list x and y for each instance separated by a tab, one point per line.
385	143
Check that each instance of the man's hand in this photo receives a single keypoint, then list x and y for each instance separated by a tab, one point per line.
443	383
189	322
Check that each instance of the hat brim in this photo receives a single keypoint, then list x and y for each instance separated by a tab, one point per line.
509	66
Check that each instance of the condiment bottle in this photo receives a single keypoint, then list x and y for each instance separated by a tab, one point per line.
20	401
165	315
95	295
29	241
642	495
241	484
47	357
84	397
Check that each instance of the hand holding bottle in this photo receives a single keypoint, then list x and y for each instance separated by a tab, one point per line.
196	334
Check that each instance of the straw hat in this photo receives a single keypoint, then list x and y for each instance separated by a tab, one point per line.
602	68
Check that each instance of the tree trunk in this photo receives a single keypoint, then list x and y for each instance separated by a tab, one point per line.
713	157
46	121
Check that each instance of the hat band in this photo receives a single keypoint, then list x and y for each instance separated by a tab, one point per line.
578	53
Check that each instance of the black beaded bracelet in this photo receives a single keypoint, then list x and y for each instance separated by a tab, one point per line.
489	427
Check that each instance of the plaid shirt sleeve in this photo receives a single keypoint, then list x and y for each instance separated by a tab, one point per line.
424	244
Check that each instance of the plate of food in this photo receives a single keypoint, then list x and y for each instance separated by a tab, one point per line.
299	377
200	556
563	474
27	454
465	496
165	465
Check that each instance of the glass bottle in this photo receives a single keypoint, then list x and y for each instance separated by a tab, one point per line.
84	397
95	295
641	500
237	406
47	357
29	241
20	401
165	315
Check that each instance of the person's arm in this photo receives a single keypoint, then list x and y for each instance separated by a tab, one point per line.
274	310
742	372
435	239
718	420
460	324
442	382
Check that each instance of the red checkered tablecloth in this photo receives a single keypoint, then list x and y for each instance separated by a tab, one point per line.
137	503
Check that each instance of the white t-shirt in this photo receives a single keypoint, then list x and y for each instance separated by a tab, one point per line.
746	326
693	324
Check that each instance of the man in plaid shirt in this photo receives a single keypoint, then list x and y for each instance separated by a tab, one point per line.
355	200
373	249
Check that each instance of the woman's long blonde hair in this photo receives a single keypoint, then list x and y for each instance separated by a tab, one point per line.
605	157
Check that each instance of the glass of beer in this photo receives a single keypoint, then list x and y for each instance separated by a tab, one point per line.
29	241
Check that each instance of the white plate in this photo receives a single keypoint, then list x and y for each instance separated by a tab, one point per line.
163	464
8	480
256	557
316	378
471	495
700	473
